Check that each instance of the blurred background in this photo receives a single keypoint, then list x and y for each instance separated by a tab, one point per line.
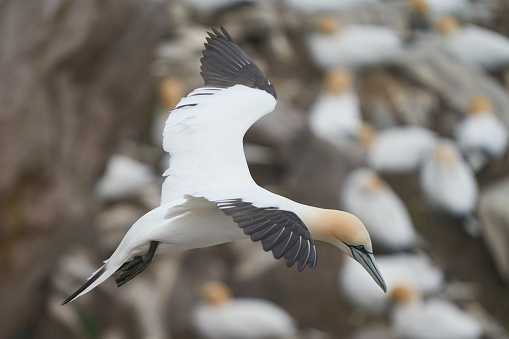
394	110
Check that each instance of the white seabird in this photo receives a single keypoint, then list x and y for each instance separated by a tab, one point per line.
209	196
400	149
413	318
440	7
222	317
367	196
336	113
325	6
123	177
352	46
481	136
473	44
448	181
402	268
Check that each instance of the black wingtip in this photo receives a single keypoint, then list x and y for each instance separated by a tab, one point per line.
84	286
225	64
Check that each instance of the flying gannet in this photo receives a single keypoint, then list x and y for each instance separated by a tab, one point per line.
209	196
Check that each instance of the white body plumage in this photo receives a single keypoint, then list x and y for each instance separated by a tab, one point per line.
478	46
243	318
123	177
413	269
324	6
354	47
335	116
366	195
482	136
448	181
400	149
413	318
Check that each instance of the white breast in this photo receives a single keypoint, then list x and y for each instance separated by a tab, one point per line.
333	117
380	209
243	318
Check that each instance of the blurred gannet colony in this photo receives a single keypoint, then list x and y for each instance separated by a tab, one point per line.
394	110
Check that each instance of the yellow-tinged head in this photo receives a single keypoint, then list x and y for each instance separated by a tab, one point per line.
447	25
446	153
420	7
480	104
348	233
337	81
404	294
367	135
171	90
216	293
329	25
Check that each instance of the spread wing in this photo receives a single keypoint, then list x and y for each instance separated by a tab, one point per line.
279	231
204	133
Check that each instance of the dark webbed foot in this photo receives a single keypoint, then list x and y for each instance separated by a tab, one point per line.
132	268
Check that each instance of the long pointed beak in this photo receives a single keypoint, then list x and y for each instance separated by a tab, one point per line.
367	260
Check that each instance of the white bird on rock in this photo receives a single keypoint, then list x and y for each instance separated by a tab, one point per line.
481	135
336	113
448	181
325	6
222	317
413	318
123	177
474	45
400	149
403	268
353	46
366	195
209	196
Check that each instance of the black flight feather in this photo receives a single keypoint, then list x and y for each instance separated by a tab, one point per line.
225	64
279	231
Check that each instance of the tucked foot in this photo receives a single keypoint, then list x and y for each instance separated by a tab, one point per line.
132	268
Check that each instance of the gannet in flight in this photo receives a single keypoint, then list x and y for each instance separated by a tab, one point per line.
209	196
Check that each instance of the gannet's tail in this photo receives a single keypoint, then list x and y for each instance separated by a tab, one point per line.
95	279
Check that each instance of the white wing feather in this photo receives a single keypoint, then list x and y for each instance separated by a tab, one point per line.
205	140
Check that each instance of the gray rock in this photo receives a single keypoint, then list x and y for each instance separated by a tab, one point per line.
453	82
495	219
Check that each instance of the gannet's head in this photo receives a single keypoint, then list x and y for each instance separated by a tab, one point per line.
216	293
171	90
480	104
337	81
420	7
404	294
348	233
329	25
446	152
367	135
447	25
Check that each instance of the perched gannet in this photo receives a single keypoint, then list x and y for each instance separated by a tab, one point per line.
367	196
324	6
209	196
336	113
353	46
399	149
474	45
123	177
439	7
223	317
215	6
415	269
413	318
448	181
481	136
